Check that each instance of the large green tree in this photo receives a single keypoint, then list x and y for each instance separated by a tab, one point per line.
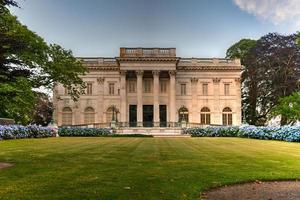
288	108
28	62
271	72
242	50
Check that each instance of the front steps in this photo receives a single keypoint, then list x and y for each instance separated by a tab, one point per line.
155	131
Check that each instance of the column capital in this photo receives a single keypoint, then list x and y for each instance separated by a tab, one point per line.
216	80
139	72
172	72
194	80
123	72
100	80
155	72
238	80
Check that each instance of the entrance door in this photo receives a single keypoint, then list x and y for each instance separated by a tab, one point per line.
147	115
163	115
132	115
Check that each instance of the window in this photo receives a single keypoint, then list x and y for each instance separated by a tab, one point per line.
111	88
147	86
67	116
89	115
183	89
89	88
112	114
131	86
227	116
183	114
205	116
163	86
205	89
226	89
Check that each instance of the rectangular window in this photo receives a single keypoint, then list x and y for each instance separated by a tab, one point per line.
205	89
111	88
89	88
226	89
183	89
163	86
147	86
131	86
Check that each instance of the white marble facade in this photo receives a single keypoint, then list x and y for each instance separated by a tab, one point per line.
154	86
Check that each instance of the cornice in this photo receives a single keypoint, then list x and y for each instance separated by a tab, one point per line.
148	59
207	68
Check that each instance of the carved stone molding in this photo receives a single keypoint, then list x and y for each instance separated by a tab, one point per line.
194	80
216	80
89	102
238	80
139	72
100	80
155	72
123	72
172	73
66	102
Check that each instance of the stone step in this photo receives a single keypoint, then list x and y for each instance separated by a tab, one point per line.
172	135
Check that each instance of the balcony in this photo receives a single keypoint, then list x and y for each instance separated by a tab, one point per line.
147	52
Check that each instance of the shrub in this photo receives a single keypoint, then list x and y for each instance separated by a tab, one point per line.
83	132
284	133
19	132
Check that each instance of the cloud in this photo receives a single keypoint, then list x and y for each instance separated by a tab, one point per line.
275	11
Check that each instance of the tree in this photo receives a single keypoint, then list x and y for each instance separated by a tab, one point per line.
242	50
25	57
271	71
43	109
288	108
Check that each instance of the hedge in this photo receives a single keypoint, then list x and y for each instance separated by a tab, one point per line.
284	133
19	132
83	132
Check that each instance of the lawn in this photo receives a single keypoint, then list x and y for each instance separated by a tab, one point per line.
138	168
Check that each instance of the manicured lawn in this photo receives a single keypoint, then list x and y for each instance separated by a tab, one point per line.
138	168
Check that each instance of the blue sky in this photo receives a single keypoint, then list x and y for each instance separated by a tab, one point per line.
197	28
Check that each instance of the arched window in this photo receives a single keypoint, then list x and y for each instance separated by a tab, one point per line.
183	114
67	116
112	114
205	116
89	115
227	116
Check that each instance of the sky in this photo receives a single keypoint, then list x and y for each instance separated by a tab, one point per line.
196	28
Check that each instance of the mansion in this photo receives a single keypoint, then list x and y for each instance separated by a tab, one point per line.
152	87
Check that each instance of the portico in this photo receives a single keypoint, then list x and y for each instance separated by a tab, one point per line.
150	109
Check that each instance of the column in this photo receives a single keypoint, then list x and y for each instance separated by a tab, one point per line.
217	111
194	109
123	96
139	92
172	103
238	108
156	97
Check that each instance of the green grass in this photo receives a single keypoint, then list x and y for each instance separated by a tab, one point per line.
153	168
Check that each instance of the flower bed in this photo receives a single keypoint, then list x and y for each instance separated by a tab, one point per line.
83	132
284	133
19	132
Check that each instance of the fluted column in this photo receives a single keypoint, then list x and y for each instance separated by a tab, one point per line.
172	103
238	108
194	110
123	96
139	91
156	97
217	112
